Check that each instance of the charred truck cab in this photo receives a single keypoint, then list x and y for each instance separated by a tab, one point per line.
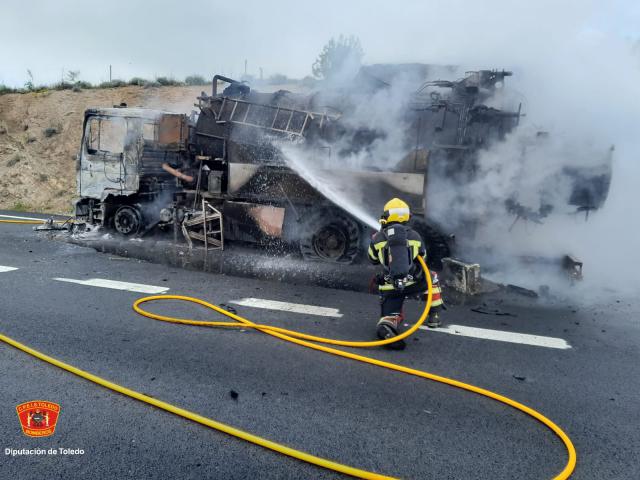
124	174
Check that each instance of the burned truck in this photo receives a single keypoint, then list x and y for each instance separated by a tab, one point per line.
222	173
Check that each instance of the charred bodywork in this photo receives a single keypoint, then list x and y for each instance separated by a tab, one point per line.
139	169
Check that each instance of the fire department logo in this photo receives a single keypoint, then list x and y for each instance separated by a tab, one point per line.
38	417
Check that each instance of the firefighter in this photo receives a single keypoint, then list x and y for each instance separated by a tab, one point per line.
396	247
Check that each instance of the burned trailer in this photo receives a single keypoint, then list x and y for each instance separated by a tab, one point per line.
243	133
455	123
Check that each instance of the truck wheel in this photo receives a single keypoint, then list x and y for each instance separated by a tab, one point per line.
435	242
331	236
127	220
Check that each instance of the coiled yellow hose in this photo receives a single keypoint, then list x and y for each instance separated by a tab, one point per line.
304	340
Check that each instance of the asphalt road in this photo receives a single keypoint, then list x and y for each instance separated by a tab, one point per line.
350	412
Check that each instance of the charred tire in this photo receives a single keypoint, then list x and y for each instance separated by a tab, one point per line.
128	220
331	236
436	243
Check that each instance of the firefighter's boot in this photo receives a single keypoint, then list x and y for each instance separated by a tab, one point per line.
387	328
433	320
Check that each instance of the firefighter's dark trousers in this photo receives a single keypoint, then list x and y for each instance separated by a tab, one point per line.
391	301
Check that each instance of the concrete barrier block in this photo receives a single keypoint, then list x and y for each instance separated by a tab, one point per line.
463	277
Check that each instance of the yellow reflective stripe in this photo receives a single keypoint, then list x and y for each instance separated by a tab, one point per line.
436	303
388	286
379	247
415	247
372	254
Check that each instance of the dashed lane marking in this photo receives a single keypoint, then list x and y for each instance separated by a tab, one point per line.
288	307
460	330
501	336
114	284
7	269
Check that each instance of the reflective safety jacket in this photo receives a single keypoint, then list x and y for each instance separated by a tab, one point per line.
379	252
379	255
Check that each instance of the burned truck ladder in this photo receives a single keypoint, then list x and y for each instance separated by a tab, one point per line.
278	119
205	226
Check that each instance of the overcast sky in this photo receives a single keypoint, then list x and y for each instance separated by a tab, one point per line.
178	38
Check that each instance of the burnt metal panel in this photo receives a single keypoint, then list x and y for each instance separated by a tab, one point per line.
248	180
172	131
251	221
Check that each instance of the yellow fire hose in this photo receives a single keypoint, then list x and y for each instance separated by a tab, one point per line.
300	339
27	222
32	222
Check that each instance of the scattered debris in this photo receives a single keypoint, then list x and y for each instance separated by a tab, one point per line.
234	394
521	378
492	311
51	224
572	266
228	308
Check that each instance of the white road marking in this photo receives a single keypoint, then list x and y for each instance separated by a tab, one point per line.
22	218
7	269
501	336
131	287
288	307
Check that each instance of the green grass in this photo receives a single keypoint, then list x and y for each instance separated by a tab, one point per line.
168	82
195	80
115	83
21	207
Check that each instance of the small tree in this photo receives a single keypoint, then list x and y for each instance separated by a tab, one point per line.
72	76
337	56
29	83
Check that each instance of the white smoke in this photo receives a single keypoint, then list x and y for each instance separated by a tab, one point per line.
577	80
331	170
584	89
